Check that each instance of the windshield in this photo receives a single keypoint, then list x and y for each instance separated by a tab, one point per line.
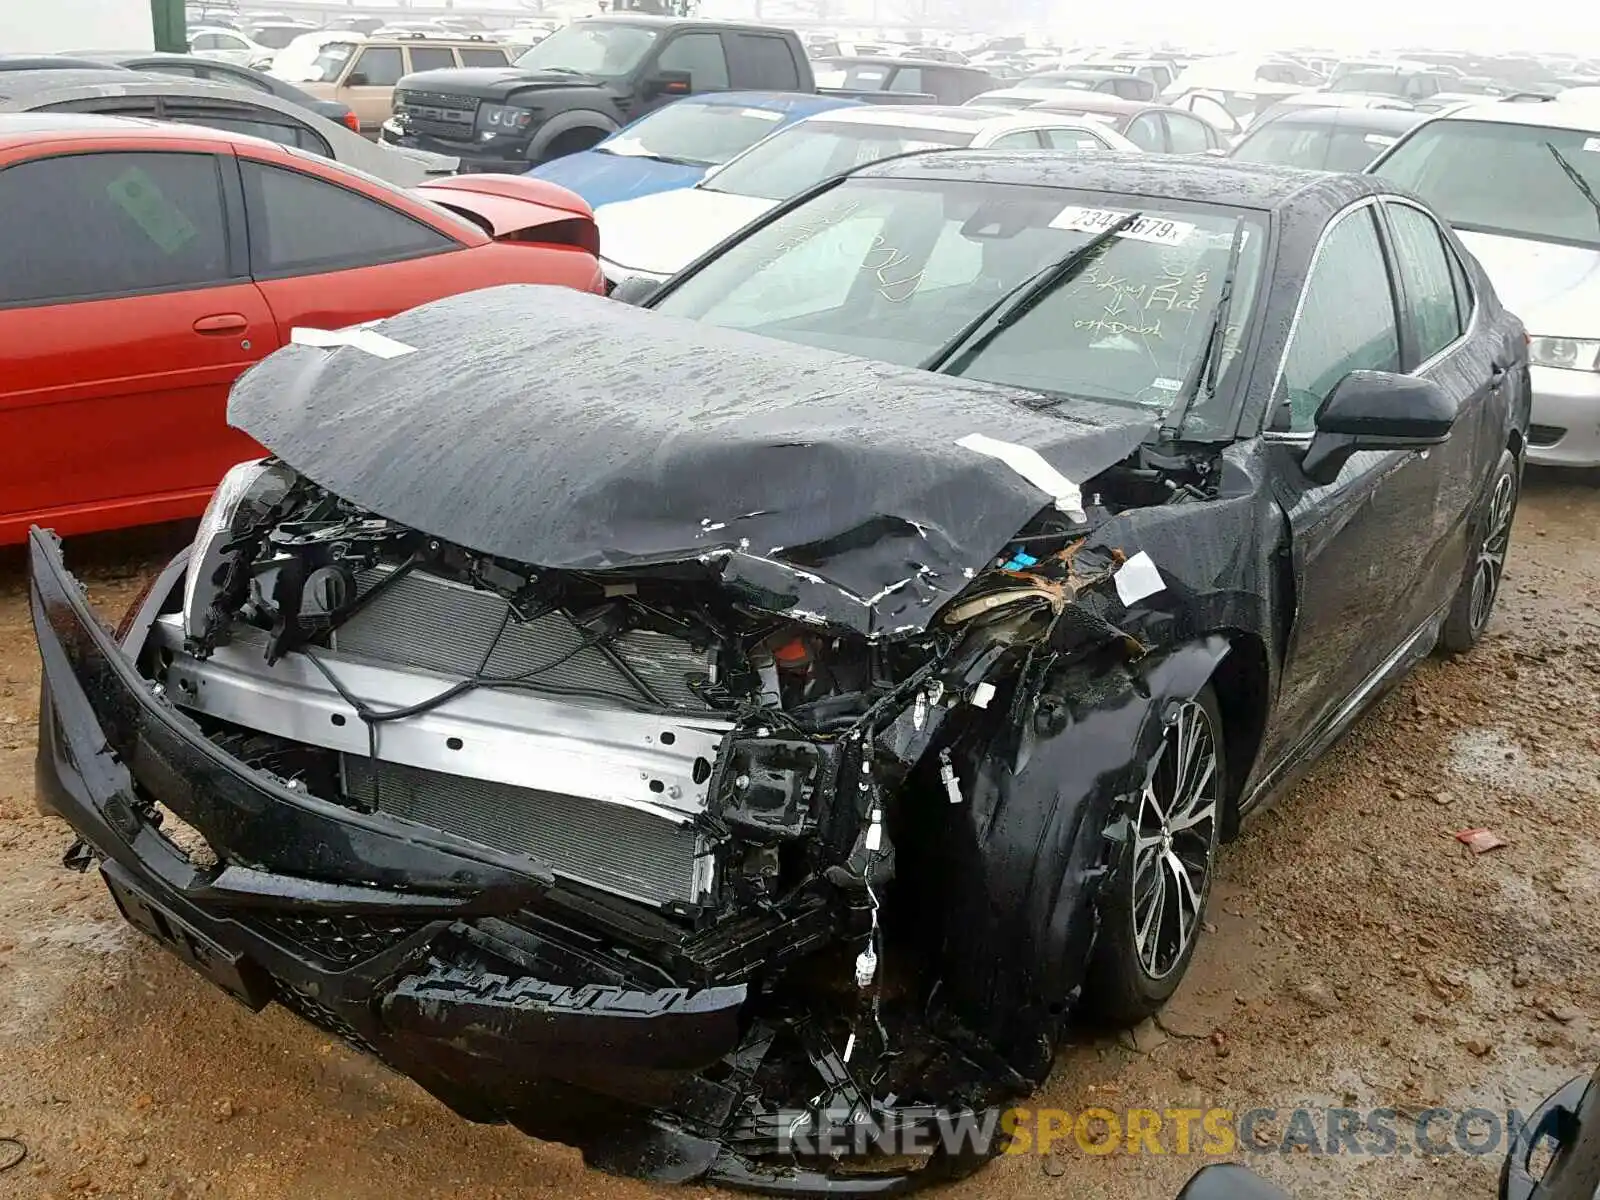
1485	177
602	50
328	64
856	77
694	132
894	269
276	37
811	151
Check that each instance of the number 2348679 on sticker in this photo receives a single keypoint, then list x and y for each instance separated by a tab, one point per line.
1145	229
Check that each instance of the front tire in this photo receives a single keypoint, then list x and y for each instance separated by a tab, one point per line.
1154	905
1480	587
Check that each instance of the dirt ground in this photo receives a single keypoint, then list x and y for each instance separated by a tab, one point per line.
1360	958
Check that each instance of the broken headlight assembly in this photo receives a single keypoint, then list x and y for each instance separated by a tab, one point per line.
243	501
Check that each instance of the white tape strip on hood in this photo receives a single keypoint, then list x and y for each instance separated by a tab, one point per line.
370	340
1030	464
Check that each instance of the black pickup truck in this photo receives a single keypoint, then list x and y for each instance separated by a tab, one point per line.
584	82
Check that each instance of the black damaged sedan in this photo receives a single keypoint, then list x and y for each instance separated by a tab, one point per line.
733	734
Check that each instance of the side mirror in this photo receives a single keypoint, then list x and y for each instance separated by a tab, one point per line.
358	79
635	289
1375	410
668	83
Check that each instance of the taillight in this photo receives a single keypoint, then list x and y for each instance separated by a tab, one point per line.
352	122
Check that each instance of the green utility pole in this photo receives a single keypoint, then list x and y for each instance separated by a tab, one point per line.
166	19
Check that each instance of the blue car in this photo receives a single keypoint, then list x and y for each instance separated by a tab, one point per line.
674	146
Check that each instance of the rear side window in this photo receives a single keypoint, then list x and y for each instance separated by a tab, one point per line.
764	62
473	57
1424	267
1187	135
257	122
89	225
1144	131
378	66
301	225
700	54
431	58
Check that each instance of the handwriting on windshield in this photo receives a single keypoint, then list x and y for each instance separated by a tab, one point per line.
890	262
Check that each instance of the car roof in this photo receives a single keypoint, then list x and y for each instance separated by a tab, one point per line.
1037	94
20	128
1580	115
35	88
1094	73
1230	183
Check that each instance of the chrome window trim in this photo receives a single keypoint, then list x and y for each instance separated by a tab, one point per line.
1372	201
1300	303
1450	252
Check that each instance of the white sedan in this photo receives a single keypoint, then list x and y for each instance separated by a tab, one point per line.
655	236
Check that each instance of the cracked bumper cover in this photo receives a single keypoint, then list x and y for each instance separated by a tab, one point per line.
617	1068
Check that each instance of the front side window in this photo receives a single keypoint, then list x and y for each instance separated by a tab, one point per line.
378	66
892	270
1346	322
694	133
700	56
603	51
300	225
1523	181
326	67
1424	265
765	62
88	225
813	150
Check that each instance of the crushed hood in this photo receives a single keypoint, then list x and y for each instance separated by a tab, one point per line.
564	430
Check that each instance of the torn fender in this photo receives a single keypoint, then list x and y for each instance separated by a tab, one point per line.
1036	836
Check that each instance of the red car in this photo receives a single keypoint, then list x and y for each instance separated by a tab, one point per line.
144	266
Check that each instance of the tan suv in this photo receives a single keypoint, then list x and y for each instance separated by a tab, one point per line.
362	72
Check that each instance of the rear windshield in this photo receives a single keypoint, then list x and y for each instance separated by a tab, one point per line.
1317	146
1519	180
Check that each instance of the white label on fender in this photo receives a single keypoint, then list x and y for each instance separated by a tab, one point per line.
1146	229
1137	579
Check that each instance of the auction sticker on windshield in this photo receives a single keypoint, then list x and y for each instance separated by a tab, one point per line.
1145	229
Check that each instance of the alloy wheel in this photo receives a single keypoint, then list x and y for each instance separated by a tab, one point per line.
1491	562
1175	841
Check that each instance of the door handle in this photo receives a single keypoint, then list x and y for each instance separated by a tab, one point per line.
221	323
1497	374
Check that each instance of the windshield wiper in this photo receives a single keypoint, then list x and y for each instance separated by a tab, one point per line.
1200	384
660	158
1578	181
953	357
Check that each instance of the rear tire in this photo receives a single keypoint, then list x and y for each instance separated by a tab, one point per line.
1153	909
1473	604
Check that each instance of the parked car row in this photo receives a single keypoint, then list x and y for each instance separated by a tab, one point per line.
792	686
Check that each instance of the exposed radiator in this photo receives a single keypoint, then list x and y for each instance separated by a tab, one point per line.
619	849
438	625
